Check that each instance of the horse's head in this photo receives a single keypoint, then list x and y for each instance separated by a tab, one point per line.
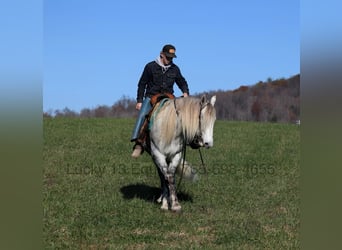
207	117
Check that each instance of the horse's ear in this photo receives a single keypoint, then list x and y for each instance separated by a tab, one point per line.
203	99
213	100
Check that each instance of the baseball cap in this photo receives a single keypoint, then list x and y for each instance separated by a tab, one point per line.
169	50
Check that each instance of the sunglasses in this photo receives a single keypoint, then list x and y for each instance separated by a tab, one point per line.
167	58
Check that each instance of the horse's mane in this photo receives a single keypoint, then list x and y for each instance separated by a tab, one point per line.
188	110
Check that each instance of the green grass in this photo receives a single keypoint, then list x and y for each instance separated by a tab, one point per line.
97	197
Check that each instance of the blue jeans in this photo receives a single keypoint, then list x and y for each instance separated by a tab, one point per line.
145	108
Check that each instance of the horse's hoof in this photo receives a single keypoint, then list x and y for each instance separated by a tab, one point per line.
164	208
165	205
176	209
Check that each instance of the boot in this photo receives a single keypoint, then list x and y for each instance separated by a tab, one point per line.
138	148
137	151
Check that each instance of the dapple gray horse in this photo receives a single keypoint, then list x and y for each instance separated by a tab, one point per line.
179	122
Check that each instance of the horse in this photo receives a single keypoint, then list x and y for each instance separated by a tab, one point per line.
179	122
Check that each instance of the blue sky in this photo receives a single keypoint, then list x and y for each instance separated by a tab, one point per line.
95	51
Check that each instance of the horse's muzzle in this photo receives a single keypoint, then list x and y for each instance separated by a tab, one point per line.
197	142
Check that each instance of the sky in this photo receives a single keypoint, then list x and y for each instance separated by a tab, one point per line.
95	51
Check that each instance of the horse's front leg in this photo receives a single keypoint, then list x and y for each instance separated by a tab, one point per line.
164	189
170	178
162	166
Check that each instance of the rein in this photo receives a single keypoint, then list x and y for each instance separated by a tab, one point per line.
202	164
184	153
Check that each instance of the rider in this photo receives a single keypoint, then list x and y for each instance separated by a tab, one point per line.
158	77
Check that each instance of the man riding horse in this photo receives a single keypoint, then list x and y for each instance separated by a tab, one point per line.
158	77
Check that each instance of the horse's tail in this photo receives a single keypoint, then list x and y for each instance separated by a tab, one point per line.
188	172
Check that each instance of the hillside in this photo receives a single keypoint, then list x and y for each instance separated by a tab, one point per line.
271	101
274	101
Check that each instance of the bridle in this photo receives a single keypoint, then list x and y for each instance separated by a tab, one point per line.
195	142
198	138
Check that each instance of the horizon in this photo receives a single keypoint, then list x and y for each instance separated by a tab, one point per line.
194	94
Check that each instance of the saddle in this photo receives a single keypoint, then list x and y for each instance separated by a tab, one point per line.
158	97
155	102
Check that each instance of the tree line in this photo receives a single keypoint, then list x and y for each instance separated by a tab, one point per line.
269	101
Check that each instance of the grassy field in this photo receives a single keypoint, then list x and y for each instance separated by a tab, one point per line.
97	197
